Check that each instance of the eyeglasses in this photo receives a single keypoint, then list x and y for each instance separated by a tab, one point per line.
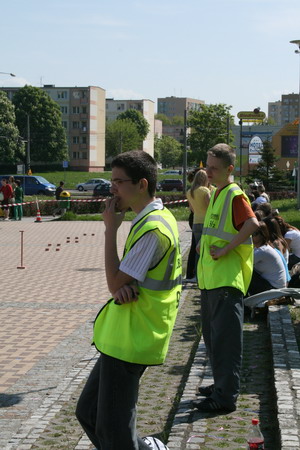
119	181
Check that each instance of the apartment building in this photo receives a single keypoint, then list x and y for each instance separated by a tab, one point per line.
83	117
274	111
285	110
175	106
145	107
289	108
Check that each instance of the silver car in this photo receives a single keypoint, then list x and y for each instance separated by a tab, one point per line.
91	184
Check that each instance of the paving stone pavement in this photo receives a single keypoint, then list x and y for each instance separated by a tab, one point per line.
44	363
46	311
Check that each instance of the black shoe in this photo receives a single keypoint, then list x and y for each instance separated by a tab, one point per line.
206	391
210	405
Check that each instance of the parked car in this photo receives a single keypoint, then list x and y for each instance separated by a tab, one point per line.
170	185
102	190
173	172
34	184
90	184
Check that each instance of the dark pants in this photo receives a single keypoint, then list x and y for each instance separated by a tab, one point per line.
197	232
190	268
106	408
293	259
258	284
222	314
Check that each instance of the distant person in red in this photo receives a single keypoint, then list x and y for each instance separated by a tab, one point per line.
7	192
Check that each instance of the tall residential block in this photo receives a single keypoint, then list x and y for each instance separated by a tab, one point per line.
274	111
145	107
175	106
83	117
285	110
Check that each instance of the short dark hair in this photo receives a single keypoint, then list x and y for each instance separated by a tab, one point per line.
223	152
61	183
18	182
138	164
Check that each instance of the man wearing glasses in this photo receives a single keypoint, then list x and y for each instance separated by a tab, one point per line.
133	329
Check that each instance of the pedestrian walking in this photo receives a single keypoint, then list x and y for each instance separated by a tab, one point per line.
58	191
18	209
7	192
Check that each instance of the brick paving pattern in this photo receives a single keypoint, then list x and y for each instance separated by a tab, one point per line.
46	314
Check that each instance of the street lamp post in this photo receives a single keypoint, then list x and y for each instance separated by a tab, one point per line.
297	42
7	73
241	147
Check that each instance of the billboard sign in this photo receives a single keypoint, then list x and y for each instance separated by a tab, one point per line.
251	116
254	149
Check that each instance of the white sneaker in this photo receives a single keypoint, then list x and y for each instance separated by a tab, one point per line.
155	443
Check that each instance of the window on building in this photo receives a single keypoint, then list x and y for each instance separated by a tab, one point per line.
83	139
75	139
83	125
64	124
75	110
64	109
74	155
62	94
120	106
75	124
84	110
84	155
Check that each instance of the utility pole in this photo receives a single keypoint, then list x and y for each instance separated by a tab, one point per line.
28	169
185	152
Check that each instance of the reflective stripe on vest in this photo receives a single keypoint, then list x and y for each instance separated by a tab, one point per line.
219	232
139	332
152	217
235	268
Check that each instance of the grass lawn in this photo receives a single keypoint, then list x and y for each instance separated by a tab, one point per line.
71	178
287	208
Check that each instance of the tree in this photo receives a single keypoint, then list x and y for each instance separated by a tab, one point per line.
47	136
266	170
121	136
208	128
170	151
178	120
11	146
165	120
138	119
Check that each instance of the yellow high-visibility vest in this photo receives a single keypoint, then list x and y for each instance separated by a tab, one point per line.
235	268
139	332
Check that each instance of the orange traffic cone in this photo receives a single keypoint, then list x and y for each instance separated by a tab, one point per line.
38	216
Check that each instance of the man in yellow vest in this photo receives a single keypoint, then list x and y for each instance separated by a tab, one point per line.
224	273
133	329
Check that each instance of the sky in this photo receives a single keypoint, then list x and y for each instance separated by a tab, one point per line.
235	52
